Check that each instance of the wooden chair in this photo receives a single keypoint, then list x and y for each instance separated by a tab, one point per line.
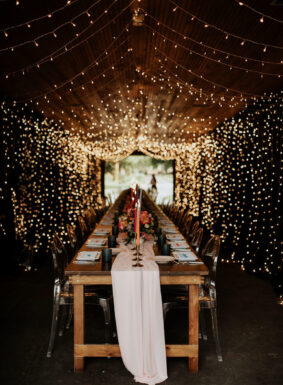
63	294
174	297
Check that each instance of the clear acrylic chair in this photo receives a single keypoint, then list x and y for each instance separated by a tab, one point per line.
81	230
186	225
174	297
196	240
94	217
63	295
192	231
180	217
72	241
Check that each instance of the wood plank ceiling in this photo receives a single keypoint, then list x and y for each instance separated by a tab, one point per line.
179	72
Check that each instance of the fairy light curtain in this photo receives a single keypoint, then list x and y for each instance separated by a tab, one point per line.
49	178
233	181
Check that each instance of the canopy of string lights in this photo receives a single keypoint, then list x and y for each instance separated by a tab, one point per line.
173	68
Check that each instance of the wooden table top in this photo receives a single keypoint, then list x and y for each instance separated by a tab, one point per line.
99	268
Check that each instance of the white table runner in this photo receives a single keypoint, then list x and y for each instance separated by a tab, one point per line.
139	315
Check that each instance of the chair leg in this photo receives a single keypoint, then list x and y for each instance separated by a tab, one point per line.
213	313
202	324
70	316
166	308
56	305
105	304
62	321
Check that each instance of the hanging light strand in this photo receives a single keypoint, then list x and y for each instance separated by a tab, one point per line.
46	16
54	32
218	61
56	87
214	84
206	24
66	49
228	55
262	15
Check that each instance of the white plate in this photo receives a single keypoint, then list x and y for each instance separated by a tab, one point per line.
175	237
90	256
101	232
178	244
96	242
170	230
162	259
185	256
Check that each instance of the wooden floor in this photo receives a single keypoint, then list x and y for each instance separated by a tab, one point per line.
250	323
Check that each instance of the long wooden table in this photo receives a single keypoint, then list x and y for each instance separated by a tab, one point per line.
96	273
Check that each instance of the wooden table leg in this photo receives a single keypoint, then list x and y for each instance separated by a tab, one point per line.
78	324
193	323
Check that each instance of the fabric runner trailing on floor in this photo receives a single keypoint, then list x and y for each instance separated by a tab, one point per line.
139	316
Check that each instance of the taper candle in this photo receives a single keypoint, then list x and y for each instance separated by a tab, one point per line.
138	223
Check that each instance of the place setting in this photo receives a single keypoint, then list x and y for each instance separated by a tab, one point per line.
96	242
85	257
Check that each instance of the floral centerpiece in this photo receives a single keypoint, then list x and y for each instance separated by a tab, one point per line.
127	222
147	224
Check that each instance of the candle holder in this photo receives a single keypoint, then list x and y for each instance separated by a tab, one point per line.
135	241
135	248
137	259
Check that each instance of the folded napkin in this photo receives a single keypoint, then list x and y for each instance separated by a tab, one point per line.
88	256
185	256
101	232
175	237
96	241
178	244
163	258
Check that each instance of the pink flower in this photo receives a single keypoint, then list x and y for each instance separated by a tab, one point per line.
130	213
144	217
122	223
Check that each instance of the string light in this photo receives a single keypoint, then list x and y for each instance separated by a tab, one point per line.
59	179
213	49
84	70
56	30
204	56
204	23
228	89
230	168
259	13
67	48
38	18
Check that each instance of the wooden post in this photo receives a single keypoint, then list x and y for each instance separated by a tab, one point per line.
193	324
78	324
116	172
